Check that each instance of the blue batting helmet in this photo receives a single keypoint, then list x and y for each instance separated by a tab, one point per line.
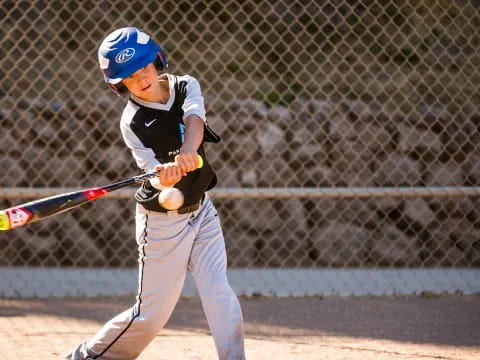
125	51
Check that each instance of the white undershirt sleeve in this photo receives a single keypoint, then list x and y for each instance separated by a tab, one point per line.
194	103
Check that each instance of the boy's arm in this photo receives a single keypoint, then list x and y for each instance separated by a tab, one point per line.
194	120
194	129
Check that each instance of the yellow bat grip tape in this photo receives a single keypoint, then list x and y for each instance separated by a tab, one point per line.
200	161
4	221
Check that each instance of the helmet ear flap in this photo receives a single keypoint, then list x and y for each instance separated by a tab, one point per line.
161	61
159	64
119	89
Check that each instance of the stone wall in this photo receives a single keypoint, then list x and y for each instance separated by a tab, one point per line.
303	93
309	144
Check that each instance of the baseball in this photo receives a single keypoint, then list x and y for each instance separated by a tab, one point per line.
170	199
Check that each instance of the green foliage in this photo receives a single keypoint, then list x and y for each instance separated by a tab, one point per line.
233	67
168	46
274	98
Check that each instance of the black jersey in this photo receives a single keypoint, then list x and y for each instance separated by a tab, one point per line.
155	132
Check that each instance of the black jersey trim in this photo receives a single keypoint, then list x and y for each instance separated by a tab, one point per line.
139	303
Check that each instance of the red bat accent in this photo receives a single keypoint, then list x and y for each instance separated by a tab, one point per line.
94	193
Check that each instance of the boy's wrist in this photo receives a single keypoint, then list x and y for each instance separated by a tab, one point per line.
155	182
186	150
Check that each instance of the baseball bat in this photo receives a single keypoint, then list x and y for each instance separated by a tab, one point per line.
40	209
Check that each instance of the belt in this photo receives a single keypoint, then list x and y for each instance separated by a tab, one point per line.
186	209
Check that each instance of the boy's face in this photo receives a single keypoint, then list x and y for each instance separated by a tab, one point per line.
144	83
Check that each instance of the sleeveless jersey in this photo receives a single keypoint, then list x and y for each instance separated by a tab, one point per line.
155	134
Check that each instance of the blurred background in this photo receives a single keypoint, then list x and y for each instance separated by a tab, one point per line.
350	134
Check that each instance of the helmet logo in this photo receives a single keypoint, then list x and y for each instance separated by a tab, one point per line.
124	55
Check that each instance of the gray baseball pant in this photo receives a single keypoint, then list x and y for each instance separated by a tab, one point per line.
168	245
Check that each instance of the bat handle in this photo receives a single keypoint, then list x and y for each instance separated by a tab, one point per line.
142	178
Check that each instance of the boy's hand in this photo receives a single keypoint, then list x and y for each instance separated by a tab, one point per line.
170	174
187	161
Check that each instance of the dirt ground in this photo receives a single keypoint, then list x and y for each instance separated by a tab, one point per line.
446	327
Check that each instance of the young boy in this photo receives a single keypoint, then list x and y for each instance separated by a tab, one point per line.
164	126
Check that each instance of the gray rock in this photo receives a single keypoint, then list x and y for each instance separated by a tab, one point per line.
341	245
444	174
82	249
351	162
242	247
279	115
14	173
377	138
256	214
417	209
286	247
249	107
218	124
397	170
392	247
452	243
274	171
114	161
471	168
244	147
228	176
415	140
386	204
316	175
271	138
341	128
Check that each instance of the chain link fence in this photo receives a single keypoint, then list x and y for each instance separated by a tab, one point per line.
350	130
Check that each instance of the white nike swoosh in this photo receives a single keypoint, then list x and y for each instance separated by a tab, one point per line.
147	124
